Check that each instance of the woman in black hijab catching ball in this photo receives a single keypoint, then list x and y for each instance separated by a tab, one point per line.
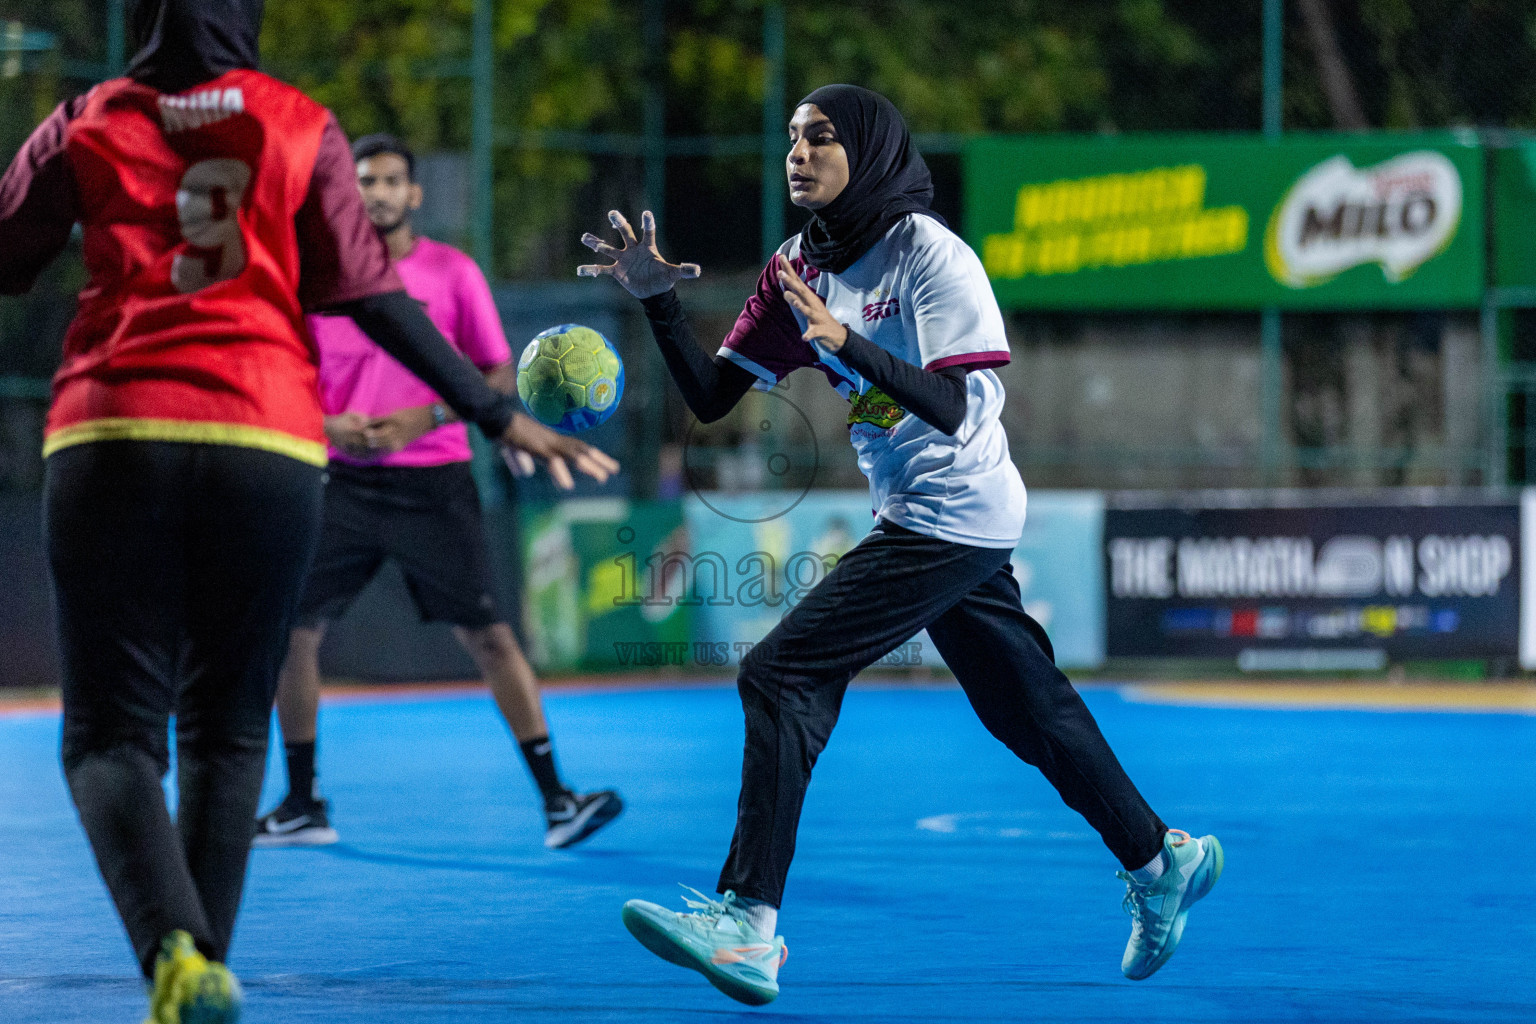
880	296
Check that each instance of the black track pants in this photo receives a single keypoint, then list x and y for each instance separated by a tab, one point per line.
892	585
177	570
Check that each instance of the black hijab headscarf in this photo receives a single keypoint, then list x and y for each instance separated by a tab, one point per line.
183	43
887	178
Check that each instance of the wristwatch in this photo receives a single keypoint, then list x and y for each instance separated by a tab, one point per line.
439	415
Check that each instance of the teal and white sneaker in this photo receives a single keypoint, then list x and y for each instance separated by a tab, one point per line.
716	940
1158	909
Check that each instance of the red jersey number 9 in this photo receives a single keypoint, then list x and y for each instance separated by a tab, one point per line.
207	203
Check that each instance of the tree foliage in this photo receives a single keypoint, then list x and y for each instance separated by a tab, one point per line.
982	65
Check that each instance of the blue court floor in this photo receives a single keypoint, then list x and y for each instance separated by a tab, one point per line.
1380	867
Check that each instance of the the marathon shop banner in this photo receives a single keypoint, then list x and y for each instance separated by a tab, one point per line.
1326	587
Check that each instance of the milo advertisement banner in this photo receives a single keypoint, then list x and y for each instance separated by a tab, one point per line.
1184	222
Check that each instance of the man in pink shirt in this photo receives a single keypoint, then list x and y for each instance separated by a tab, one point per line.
399	486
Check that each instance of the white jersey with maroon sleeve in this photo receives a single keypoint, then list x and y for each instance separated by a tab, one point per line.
920	293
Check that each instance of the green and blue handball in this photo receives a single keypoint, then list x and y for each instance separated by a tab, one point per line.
571	378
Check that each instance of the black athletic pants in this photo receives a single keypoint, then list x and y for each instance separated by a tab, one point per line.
893	584
177	570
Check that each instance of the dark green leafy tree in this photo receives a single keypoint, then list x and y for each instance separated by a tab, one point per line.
574	66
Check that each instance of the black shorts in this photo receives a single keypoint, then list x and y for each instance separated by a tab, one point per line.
427	519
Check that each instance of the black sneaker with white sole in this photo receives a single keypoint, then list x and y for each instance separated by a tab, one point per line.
291	824
575	816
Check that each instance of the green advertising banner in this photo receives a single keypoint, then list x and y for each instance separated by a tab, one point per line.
595	587
1228	222
1514	216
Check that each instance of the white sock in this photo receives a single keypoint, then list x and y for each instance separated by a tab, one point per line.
763	917
1152	870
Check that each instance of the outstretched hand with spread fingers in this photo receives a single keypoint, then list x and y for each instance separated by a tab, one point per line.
821	327
637	266
519	463
527	438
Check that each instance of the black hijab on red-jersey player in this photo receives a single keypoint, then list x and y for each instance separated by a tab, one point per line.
183	43
887	178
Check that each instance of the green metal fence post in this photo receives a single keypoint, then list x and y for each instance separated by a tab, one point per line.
1271	393
482	129
1495	396
1274	66
117	37
773	127
482	224
654	115
644	452
1271	345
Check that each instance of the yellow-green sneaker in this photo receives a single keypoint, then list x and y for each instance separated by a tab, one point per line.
716	940
1158	908
190	990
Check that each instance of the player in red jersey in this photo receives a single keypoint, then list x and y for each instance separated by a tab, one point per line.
185	446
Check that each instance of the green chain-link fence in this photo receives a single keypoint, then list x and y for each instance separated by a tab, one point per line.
537	115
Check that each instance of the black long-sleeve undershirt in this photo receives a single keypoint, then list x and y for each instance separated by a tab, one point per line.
401	327
937	397
712	385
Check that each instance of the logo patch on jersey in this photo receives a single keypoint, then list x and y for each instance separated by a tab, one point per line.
200	109
875	407
881	310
